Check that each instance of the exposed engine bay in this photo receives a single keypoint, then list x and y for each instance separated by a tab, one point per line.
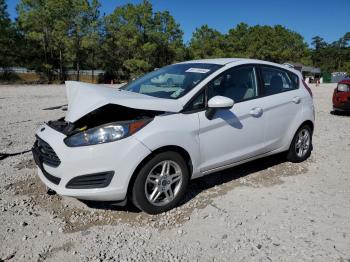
103	115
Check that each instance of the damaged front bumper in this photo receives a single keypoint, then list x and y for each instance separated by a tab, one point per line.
98	172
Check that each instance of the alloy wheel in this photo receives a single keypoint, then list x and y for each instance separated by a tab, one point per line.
302	143
163	183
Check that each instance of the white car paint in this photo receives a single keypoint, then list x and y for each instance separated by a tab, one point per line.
220	102
93	159
235	135
95	96
249	130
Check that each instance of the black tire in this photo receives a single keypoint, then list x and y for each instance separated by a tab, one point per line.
292	155
138	194
334	112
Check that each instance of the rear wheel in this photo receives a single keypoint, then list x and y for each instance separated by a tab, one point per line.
301	146
161	183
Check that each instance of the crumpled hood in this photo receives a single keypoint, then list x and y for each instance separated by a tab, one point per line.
84	98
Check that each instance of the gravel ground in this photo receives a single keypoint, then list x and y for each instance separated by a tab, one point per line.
266	210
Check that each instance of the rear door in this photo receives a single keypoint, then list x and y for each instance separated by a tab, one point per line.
283	103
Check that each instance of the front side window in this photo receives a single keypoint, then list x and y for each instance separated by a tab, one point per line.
277	81
239	84
172	81
197	103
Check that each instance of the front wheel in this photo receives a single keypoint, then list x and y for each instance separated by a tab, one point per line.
161	183
301	146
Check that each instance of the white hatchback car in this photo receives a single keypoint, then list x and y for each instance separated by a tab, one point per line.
144	142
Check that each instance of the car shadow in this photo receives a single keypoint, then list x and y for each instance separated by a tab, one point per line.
204	183
129	207
222	177
229	117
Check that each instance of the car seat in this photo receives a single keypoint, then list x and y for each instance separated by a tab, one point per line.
276	85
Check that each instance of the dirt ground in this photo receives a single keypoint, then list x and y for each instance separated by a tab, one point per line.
266	210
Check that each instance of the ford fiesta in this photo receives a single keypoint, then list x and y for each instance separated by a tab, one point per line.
145	141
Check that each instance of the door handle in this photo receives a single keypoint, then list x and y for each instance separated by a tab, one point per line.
256	111
296	99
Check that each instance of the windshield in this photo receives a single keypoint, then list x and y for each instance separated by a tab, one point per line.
171	81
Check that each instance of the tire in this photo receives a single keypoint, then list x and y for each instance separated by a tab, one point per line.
151	191
334	112
300	148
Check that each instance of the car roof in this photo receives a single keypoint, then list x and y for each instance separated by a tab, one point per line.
345	81
218	61
225	61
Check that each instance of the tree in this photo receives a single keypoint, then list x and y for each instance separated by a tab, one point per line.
207	42
64	30
237	41
138	40
318	42
276	44
79	23
44	25
94	37
334	56
52	36
8	38
122	40
167	38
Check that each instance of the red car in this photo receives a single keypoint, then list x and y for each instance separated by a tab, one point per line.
341	96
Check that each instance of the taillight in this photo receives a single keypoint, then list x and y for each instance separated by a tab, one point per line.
343	88
307	88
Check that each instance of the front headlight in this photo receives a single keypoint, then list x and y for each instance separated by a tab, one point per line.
104	134
343	88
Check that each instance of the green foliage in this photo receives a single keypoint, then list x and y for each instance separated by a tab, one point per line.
276	44
8	77
52	36
136	67
207	43
334	56
65	33
8	38
138	40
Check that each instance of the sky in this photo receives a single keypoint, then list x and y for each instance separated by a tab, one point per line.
328	19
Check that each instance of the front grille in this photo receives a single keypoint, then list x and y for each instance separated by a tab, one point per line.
39	160
97	180
48	155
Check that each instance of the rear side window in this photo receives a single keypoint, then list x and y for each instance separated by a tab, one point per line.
277	81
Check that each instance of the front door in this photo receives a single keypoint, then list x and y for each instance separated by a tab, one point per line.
238	133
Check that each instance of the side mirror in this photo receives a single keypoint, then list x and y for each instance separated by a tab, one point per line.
218	102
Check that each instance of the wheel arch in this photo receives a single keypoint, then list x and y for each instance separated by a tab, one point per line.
306	122
309	123
183	152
